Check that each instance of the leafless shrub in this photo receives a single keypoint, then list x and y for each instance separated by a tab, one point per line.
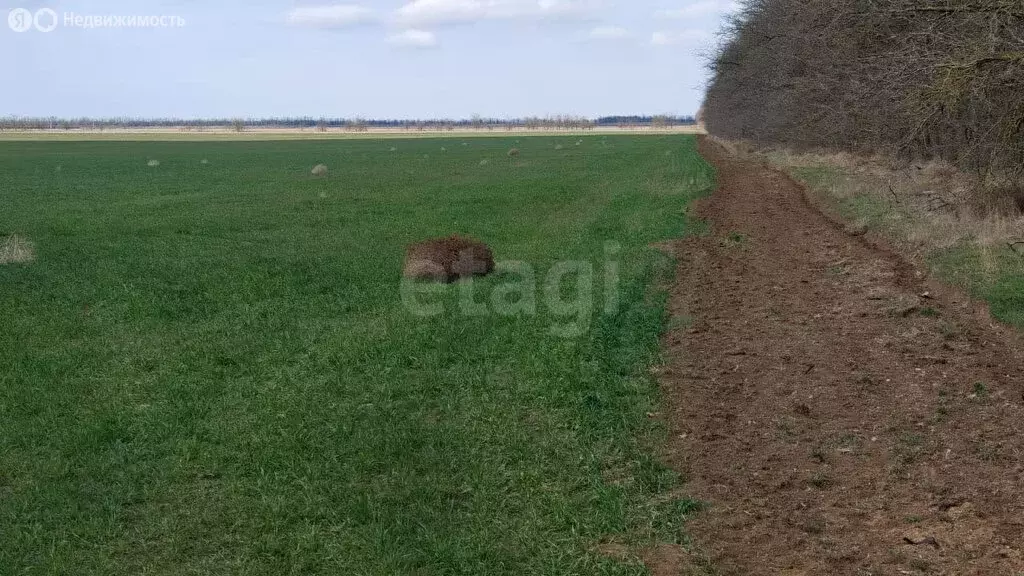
913	79
1003	199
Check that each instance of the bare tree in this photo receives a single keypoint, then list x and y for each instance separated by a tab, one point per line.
910	78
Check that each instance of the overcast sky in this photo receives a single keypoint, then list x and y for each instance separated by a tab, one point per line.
373	59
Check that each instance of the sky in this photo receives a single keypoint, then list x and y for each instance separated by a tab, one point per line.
368	59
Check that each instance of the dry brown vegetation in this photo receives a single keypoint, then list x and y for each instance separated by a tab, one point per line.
911	79
16	250
447	259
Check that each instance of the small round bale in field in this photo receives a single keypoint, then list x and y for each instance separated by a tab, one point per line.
15	249
319	170
447	259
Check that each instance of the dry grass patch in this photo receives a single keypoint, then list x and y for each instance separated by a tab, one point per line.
17	250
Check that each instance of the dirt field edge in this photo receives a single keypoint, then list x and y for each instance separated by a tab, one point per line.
839	412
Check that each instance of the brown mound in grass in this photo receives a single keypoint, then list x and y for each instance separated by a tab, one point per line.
447	259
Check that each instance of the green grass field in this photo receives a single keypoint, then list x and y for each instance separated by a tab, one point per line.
208	368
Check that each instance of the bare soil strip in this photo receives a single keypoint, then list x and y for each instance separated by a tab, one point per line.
838	414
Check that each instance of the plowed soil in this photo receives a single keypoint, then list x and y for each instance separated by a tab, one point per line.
838	412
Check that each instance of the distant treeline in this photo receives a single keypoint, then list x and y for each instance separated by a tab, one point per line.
355	124
917	79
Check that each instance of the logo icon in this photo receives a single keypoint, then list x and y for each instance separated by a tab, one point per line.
45	20
20	20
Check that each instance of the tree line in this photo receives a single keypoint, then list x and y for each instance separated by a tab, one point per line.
564	122
910	78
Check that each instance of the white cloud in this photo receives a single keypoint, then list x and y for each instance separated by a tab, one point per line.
694	36
330	16
608	33
701	8
434	12
661	39
413	38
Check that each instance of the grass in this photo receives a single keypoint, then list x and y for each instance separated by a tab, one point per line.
980	390
208	369
993	274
